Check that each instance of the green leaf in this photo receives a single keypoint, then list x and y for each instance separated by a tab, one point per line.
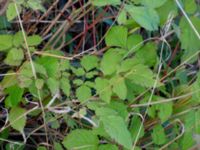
51	65
78	82
117	36
187	142
89	62
103	89
120	108
41	148
83	93
110	61
189	40
64	65
122	18
128	64
11	11
190	6
105	111
116	128
164	11
91	74
119	87
34	40
135	126
39	83
14	57
134	42
144	16
5	42
105	2
17	118
81	139
114	108
152	3
78	71
15	94
90	84
151	58
196	87
40	69
25	77
36	5
141	75
18	39
158	135
165	111
107	147
53	85
192	120
65	86
57	146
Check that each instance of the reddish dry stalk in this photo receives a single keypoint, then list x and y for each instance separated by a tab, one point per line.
57	17
88	28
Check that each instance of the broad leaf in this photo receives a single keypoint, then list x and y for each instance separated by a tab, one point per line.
116	128
105	2
17	118
53	85
78	71
14	57
107	147
120	108
164	11
122	18
103	89
51	65
110	61
18	39
34	40
83	93
11	11
15	94
164	111
158	135
190	6
81	139
152	3
142	75
36	5
150	59
189	40
119	87
135	126
144	16
134	42
5	42
65	86
117	36
105	111
39	83
89	62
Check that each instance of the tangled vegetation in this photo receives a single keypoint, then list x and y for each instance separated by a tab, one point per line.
99	74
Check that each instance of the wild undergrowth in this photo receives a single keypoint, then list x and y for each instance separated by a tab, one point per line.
99	74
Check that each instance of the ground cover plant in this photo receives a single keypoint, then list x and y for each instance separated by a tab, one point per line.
99	74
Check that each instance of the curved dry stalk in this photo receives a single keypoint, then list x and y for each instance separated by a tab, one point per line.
176	138
173	140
